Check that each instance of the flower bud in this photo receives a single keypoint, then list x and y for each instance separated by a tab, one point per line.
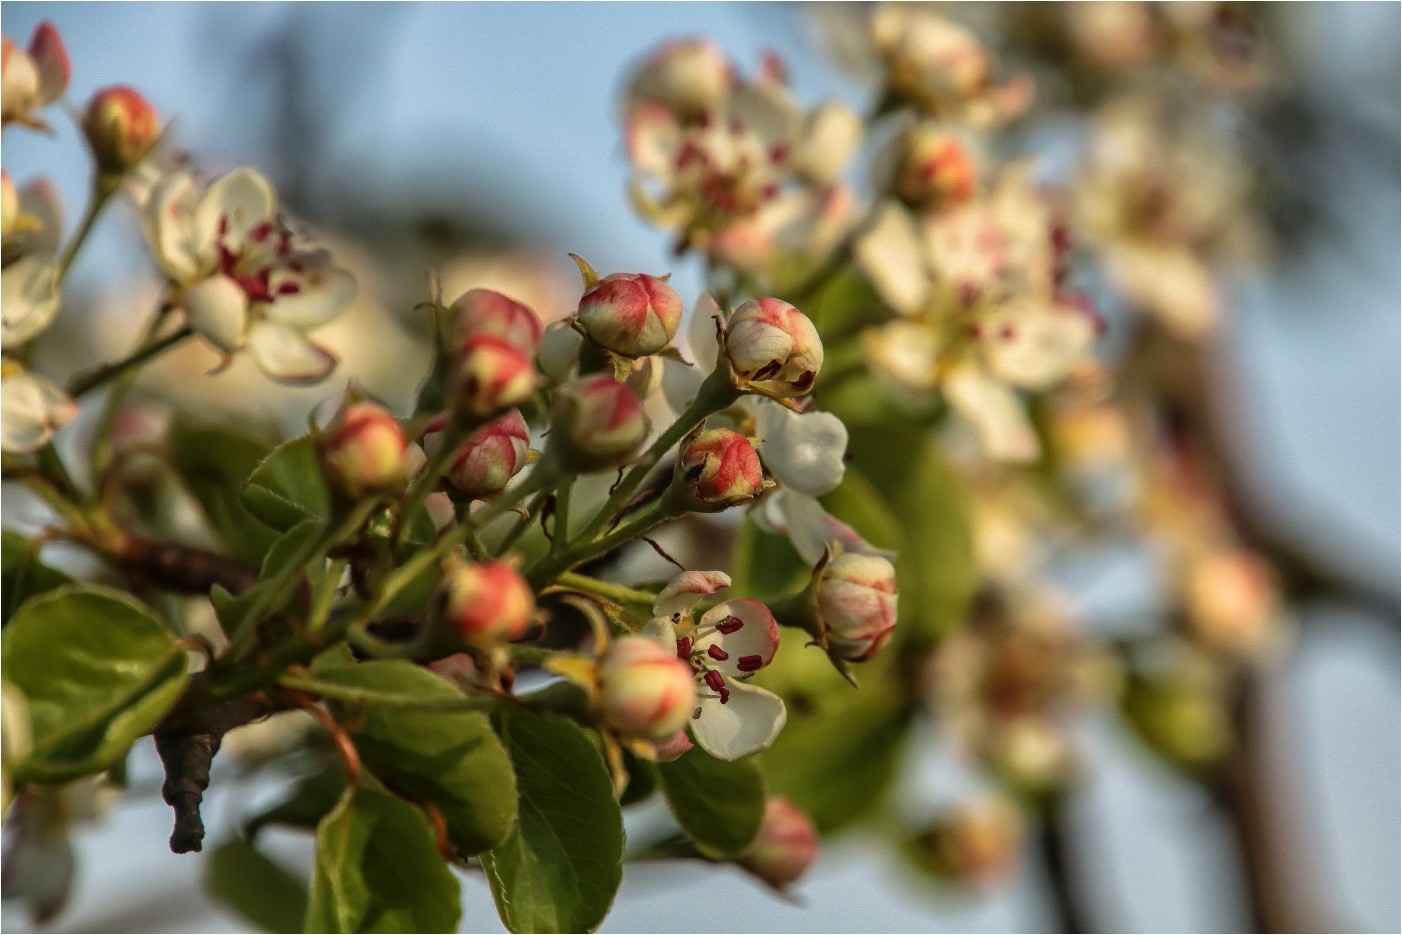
30	80
491	374
365	451
785	847
485	603
632	314
19	81
121	127
773	348
856	599
978	844
485	312
558	357
720	469
1230	599
688	77
491	457
645	690
596	423
935	169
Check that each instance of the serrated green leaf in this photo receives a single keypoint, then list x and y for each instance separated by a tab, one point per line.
256	887
719	805
212	462
378	870
449	758
559	869
97	669
22	575
286	487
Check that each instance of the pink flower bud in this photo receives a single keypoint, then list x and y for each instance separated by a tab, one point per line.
596	423
30	80
687	76
720	469
365	451
121	127
773	348
632	314
645	690
485	603
785	847
492	456
856	599
936	169
492	374
484	312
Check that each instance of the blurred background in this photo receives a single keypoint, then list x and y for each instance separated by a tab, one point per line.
482	141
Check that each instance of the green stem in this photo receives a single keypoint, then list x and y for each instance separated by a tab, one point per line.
335	692
715	394
561	531
546	570
525	523
614	592
86	383
453	437
100	453
103	190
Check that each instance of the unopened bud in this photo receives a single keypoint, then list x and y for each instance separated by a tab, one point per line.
365	451
491	374
785	847
688	77
121	127
491	457
856	599
935	168
773	348
645	690
631	314
485	603
720	469
480	312
596	423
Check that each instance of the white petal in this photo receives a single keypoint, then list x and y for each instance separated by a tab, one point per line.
325	292
559	350
28	298
767	111
287	356
890	252
653	138
680	384
31	409
39	201
904	353
663	630
805	524
169	221
218	311
995	412
758	635
683	591
1040	347
701	332
830	136
747	723
804	451
241	200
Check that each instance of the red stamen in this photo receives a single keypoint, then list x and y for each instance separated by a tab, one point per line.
715	680
716	653
684	648
749	663
778	153
223	227
260	232
724	695
730	624
289	288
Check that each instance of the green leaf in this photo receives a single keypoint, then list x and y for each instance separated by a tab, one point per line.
719	805
378	870
97	669
256	887
212	462
559	869
765	566
846	304
286	487
449	758
926	497
22	575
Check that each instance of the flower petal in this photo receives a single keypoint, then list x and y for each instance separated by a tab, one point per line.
683	591
31	409
1037	349
830	136
218	311
28	298
325	291
663	630
168	216
994	411
804	451
235	202
747	723
653	138
756	636
890	252
39	201
287	356
701	332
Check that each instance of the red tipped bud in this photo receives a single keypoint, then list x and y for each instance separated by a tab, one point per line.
485	603
121	127
491	374
936	169
491	457
596	423
484	312
645	690
365	451
720	469
785	847
773	348
688	77
856	599
631	314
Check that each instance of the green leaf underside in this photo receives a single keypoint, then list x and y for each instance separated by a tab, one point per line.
97	670
22	575
256	887
719	805
449	758
378	870
559	869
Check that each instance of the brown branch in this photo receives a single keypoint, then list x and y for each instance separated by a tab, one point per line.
183	568
1057	846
